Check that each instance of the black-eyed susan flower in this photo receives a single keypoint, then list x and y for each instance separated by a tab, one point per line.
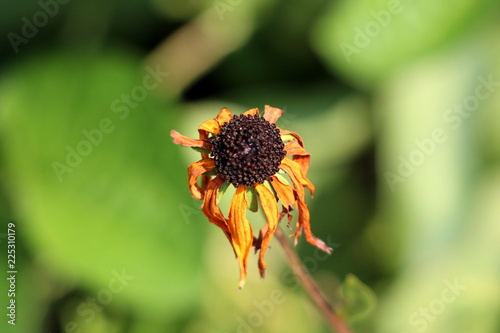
251	153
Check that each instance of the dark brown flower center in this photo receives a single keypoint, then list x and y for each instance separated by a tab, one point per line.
248	150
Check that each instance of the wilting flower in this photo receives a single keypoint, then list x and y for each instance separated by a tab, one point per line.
250	152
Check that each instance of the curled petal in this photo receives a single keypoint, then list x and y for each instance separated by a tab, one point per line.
194	171
270	207
303	224
251	112
295	173
295	135
240	230
184	141
213	125
210	207
272	114
300	155
284	193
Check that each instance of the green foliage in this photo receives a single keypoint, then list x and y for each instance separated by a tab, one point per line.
360	300
99	186
366	41
397	103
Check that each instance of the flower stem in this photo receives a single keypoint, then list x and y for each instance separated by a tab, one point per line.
310	287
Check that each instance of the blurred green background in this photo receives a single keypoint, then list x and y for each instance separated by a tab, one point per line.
398	103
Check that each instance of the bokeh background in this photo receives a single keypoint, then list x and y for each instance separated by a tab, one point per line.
397	101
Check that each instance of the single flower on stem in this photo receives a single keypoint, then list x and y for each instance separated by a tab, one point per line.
251	153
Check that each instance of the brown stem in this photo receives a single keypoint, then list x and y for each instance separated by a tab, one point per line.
311	288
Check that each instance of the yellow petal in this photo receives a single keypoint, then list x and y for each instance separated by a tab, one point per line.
224	116
194	171
213	125
272	114
241	231
252	112
270	207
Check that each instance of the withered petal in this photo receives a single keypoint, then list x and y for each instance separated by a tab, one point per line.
303	223
272	114
241	231
210	208
251	112
194	171
213	125
295	135
184	141
294	171
270	207
284	193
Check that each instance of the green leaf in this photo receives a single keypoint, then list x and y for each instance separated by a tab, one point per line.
367	40
200	150
223	188
287	138
97	184
252	199
282	178
360	300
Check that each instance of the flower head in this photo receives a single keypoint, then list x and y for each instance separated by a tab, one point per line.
251	153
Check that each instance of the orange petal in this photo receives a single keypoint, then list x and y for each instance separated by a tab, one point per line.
252	112
184	141
295	135
209	206
300	155
303	223
213	125
294	171
194	171
240	230
284	193
270	207
272	114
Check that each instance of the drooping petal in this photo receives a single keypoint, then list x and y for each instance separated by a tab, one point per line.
252	112
213	125
303	223
295	148
240	230
284	193
292	168
210	207
272	114
270	207
194	171
300	155
184	141
295	135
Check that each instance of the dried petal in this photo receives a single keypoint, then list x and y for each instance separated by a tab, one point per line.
270	208
194	171
241	231
272	114
184	141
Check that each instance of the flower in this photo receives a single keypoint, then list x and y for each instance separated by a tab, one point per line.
251	153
